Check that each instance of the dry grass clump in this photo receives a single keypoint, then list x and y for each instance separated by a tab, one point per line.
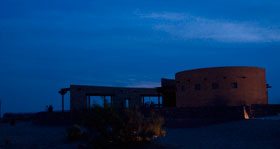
74	133
12	122
107	127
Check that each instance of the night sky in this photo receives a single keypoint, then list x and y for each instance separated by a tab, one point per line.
47	45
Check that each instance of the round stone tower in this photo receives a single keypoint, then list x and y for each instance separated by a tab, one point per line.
221	86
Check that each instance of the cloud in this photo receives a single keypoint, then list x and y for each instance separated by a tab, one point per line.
192	27
144	85
136	83
166	16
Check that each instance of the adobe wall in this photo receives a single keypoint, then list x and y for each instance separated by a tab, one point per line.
194	88
168	90
79	93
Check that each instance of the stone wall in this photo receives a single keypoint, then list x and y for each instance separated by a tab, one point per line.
223	86
79	94
168	90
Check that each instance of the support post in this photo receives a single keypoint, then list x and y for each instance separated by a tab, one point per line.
104	101
0	109
62	108
88	98
63	92
111	101
158	101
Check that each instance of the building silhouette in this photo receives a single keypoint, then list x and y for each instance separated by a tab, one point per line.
219	86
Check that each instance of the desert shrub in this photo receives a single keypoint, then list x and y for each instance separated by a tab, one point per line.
74	133
152	128
50	108
101	120
125	126
7	142
13	122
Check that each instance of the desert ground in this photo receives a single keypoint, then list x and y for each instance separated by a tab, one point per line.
254	133
263	133
24	135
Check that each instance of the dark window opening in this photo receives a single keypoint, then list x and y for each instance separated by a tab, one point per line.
234	85
197	87
152	101
215	85
99	101
268	86
205	79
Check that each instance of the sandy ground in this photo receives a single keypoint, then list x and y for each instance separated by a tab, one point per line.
262	133
27	136
256	133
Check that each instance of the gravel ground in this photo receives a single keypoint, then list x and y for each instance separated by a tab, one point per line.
255	133
263	133
24	135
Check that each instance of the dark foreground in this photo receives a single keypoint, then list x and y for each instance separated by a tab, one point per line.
256	133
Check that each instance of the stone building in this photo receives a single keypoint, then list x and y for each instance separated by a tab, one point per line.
83	96
220	86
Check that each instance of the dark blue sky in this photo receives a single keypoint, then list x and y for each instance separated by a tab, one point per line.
47	45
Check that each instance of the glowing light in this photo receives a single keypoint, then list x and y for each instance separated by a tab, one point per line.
246	116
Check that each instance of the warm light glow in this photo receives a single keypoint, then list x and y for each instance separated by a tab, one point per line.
246	116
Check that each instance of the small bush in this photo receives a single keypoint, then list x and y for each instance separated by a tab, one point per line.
122	126
7	142
74	133
50	108
12	122
152	128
